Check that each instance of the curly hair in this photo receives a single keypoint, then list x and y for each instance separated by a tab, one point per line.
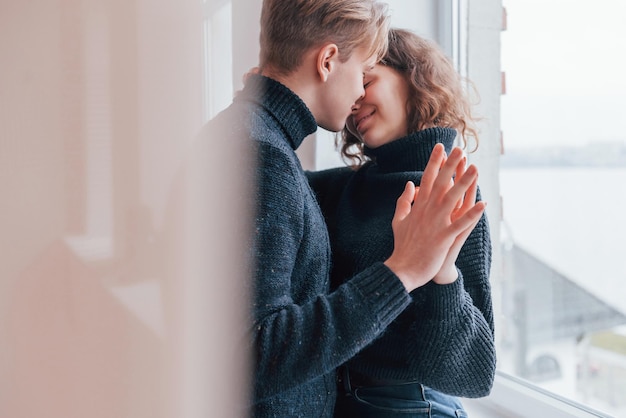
437	96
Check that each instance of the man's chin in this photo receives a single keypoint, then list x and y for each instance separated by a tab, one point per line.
332	128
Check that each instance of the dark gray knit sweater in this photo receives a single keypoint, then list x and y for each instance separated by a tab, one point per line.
301	332
445	338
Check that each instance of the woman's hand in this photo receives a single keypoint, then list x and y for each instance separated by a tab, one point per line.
448	273
429	227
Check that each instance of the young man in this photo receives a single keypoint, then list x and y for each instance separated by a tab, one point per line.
314	54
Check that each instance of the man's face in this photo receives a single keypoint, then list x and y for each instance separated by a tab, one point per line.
343	88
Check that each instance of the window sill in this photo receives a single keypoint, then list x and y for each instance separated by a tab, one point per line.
515	398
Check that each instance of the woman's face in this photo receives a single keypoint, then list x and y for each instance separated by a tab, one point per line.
381	115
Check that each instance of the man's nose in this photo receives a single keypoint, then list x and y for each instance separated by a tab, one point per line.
357	105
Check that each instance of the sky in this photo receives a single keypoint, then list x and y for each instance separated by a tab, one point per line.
565	65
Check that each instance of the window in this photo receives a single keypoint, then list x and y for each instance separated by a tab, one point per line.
217	57
562	180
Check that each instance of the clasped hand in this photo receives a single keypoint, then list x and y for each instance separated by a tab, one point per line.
432	222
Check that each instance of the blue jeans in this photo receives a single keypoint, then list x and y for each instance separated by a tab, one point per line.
407	400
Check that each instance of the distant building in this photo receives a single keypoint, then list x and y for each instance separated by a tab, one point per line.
546	307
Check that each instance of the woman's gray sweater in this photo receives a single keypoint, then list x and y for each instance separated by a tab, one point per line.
445	339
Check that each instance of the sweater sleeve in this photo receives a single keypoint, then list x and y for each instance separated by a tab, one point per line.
295	338
455	324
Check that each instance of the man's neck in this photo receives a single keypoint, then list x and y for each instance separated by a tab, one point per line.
298	82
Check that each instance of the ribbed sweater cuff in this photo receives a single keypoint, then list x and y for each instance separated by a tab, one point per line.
383	292
446	301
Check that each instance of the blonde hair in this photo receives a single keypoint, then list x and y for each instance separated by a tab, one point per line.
437	96
289	28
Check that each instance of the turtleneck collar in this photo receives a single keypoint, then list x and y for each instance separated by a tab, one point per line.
283	104
411	153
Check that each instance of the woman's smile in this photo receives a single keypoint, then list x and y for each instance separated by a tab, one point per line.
360	119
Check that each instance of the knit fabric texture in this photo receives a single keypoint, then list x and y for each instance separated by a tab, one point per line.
300	332
445	339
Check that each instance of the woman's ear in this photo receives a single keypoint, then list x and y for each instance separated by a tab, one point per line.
327	57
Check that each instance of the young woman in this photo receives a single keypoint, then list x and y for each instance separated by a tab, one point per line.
442	346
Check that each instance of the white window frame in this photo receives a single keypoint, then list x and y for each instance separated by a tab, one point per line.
217	44
514	397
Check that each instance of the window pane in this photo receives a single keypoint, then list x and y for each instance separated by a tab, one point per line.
217	37
562	183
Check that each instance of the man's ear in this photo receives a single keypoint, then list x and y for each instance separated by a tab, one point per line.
327	57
